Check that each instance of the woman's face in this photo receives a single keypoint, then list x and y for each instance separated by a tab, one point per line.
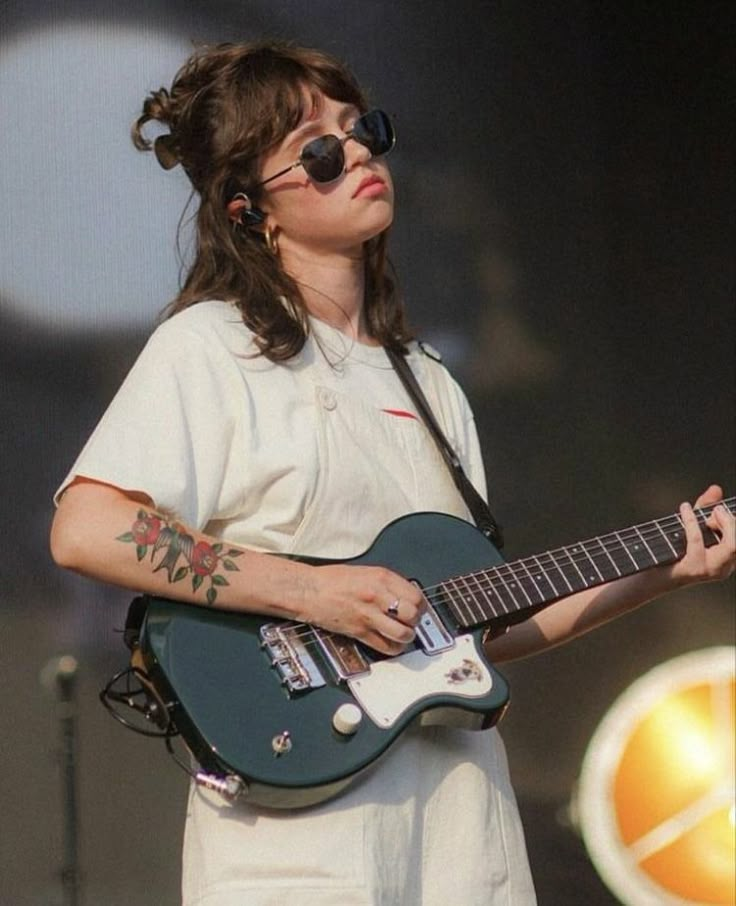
333	218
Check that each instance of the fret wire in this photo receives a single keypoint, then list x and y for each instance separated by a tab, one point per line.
679	534
459	586
473	595
660	547
666	538
568	553
507	588
660	550
519	572
459	598
548	578
550	556
642	532
635	546
510	575
622	559
592	579
625	548
621	555
523	565
494	579
637	537
651	553
600	544
516	583
476	577
633	538
612	543
574	555
565	565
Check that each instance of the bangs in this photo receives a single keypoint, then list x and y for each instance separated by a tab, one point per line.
293	93
243	100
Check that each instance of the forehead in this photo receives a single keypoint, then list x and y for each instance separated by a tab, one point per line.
317	113
315	105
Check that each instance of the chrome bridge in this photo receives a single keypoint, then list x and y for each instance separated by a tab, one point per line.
288	648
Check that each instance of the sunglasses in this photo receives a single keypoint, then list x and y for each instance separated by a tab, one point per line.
323	158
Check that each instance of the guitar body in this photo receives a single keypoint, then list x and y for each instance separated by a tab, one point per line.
290	713
227	696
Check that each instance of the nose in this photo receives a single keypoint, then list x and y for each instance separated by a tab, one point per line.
355	152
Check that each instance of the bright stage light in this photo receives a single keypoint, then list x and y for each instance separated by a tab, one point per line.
656	794
87	224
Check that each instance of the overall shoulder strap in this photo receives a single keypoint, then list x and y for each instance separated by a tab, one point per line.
478	507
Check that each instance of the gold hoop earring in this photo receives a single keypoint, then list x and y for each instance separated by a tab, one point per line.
271	242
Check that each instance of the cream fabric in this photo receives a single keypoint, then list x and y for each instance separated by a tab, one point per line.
305	458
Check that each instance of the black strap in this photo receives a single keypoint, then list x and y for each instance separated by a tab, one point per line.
478	507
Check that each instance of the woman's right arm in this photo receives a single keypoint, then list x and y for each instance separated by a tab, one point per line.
116	537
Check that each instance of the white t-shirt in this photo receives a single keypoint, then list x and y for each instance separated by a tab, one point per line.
315	456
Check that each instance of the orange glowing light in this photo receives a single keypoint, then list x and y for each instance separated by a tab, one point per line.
656	798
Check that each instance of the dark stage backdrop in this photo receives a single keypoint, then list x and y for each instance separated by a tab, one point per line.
564	235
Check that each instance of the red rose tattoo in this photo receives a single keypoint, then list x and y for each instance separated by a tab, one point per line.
145	531
181	556
204	559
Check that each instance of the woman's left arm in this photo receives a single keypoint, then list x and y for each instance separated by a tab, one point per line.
581	612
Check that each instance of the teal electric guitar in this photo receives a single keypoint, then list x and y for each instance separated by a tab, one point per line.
287	714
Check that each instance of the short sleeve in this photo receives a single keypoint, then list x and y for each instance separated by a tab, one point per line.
173	427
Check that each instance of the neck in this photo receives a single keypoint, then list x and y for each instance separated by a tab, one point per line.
333	288
509	593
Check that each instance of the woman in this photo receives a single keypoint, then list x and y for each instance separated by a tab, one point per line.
265	412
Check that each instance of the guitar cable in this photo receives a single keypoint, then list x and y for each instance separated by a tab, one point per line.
131	689
141	699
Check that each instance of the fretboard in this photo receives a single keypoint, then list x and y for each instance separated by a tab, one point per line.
513	591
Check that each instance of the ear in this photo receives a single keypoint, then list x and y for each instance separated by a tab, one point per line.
241	210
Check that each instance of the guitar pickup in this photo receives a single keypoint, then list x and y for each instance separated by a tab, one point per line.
432	635
343	655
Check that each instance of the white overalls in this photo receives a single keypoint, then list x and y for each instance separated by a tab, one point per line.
435	822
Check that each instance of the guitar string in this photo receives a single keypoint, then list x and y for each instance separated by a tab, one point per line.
525	569
496	578
586	552
649	531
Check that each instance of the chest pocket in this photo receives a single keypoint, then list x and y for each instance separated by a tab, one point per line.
373	467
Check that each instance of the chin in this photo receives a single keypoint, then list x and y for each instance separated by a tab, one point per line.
380	224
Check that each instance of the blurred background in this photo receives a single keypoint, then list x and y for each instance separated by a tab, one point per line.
565	237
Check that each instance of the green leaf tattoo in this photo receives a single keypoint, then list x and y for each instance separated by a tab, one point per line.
201	560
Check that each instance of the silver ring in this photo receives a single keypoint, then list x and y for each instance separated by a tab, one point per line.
393	608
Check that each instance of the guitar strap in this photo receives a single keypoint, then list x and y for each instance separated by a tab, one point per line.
478	507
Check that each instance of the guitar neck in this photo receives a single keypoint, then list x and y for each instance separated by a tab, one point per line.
514	591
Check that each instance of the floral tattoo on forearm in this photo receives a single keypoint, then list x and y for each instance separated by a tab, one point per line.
182	557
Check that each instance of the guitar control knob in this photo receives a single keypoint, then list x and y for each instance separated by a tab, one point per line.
346	719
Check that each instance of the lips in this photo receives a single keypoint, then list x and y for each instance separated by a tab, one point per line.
371	185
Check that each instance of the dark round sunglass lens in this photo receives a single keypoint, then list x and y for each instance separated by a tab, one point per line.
323	158
374	130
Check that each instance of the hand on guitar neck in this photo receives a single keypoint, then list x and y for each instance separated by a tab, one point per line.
710	555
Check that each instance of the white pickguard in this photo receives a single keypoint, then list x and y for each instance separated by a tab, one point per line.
398	683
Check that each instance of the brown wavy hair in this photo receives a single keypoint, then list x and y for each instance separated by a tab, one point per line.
227	106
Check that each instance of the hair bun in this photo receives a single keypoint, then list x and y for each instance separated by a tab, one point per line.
159	106
166	149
